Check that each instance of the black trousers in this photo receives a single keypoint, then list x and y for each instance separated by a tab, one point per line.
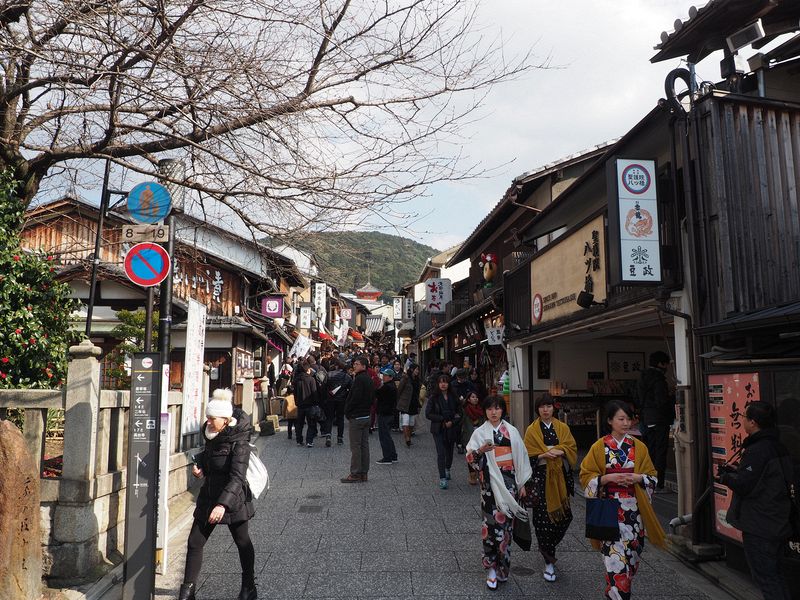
198	537
656	438
444	451
304	418
763	557
334	415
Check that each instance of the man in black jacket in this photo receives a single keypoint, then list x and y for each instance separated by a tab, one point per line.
657	412
356	409
339	383
761	505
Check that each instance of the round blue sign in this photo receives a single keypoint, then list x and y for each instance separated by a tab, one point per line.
149	202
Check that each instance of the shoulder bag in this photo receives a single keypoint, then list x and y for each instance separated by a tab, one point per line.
602	517
257	474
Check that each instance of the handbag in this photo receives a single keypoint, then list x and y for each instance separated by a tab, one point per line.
521	533
257	474
314	413
602	518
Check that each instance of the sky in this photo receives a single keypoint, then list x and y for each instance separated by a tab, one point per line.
600	84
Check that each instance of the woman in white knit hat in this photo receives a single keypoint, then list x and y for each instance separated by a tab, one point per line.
225	497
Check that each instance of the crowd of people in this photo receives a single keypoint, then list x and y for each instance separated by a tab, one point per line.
526	481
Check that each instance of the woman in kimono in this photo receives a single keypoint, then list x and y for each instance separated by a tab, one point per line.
496	451
619	466
553	453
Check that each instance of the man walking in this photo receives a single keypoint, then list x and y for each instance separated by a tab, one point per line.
386	403
356	409
339	383
657	411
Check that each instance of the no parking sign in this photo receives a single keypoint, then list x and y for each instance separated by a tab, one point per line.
147	264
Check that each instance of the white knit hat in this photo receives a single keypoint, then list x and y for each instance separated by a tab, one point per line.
220	405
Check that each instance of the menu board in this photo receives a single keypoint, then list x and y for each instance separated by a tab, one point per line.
728	396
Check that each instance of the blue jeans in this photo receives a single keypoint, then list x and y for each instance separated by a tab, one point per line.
764	559
385	437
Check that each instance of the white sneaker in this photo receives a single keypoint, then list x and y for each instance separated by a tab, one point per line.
549	573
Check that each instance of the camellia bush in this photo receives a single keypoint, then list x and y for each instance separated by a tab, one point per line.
34	307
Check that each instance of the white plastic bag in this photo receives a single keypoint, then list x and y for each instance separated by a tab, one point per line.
257	474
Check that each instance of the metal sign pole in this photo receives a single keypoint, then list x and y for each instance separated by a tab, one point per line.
142	475
98	239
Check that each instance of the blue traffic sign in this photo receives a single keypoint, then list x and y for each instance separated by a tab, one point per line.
149	202
147	264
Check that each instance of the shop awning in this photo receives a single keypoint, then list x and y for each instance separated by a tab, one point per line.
785	314
375	324
324	336
356	335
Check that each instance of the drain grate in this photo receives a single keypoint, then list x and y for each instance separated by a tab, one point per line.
309	508
314	496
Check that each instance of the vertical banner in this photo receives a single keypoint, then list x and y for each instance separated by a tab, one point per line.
728	396
192	417
637	223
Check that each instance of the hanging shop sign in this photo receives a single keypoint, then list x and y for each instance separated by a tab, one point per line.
438	293
397	308
408	308
635	244
305	317
571	264
494	335
192	415
728	397
272	306
347	314
320	301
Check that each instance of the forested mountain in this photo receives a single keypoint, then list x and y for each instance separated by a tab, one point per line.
344	258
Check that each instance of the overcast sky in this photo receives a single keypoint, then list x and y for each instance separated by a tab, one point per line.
601	84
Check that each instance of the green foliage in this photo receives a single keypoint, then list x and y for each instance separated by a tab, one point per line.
393	261
131	332
34	320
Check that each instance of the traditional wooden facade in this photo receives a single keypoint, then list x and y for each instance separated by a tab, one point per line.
225	273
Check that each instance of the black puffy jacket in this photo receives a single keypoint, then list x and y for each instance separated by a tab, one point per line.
339	381
224	463
761	502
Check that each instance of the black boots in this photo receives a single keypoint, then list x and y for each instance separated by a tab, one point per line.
186	592
248	591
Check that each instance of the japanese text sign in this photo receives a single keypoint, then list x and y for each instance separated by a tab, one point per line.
638	222
438	293
728	397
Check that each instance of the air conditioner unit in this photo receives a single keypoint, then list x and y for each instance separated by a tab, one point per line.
745	37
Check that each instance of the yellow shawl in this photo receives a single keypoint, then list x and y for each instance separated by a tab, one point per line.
594	465
555	488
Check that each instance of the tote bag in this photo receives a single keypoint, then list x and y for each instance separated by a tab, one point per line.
602	518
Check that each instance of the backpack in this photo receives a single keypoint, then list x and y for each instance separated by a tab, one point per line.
321	375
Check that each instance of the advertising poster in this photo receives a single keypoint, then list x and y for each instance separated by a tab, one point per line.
728	396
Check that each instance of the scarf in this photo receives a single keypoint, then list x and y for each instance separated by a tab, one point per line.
594	465
504	500
555	487
474	412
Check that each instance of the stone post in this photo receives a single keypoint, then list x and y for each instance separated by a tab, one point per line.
80	412
20	545
76	546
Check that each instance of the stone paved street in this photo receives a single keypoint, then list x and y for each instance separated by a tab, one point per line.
397	536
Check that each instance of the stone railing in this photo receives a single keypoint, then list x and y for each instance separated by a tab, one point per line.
83	511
